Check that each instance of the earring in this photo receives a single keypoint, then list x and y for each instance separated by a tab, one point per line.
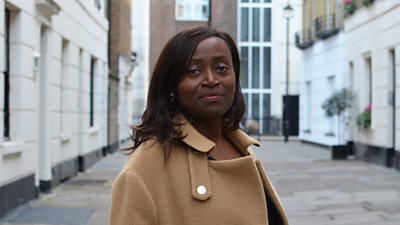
171	97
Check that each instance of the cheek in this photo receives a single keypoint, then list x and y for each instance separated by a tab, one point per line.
184	90
232	86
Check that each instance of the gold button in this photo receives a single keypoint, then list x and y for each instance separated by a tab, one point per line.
201	190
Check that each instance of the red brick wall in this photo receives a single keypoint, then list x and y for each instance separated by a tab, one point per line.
120	29
163	24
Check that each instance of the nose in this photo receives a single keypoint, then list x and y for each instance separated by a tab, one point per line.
210	78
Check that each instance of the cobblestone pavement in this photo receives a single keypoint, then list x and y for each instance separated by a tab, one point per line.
314	190
318	191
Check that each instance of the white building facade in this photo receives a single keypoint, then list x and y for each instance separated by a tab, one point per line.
362	55
323	73
262	45
53	99
373	62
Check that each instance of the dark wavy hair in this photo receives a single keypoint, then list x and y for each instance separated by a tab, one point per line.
158	119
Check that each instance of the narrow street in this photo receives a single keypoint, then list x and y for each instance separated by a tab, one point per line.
314	190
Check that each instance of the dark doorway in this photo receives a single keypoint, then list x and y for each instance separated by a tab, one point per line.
291	115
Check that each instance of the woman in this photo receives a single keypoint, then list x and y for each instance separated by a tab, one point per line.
190	163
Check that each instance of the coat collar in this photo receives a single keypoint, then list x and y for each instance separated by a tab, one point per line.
199	142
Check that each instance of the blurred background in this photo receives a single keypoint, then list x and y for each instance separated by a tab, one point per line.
74	74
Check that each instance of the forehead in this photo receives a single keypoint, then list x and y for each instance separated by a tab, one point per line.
212	46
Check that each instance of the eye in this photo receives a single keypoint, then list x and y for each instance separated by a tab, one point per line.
193	71
221	69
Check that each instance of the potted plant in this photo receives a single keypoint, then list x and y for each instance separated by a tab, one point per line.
350	7
336	105
367	3
364	118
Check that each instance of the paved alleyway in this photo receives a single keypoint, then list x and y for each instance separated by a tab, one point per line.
314	190
83	200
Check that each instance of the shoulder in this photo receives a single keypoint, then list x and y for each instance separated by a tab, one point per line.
149	158
149	152
131	201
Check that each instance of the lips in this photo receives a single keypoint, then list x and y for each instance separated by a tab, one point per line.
212	97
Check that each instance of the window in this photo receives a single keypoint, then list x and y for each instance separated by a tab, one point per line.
267	68
256	67
64	65
392	78
267	24
268	126
255	106
368	80
351	76
192	10
328	7
244	33
92	68
256	1
99	4
244	67
392	118
6	131
308	106
254	26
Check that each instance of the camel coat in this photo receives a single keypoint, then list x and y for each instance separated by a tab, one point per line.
189	189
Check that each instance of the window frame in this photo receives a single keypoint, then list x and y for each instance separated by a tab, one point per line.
91	91
191	5
247	42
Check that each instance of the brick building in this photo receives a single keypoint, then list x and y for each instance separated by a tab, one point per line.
121	67
171	16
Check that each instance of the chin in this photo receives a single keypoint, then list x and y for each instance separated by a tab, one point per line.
214	113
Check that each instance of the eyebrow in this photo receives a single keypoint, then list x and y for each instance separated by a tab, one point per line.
218	57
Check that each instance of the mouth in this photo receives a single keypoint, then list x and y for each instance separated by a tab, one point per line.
212	97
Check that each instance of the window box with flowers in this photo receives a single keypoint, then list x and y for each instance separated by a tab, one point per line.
350	7
364	118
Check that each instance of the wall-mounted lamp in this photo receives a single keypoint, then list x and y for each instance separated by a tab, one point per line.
133	64
36	64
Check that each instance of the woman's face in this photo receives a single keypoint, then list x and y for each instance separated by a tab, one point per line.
207	88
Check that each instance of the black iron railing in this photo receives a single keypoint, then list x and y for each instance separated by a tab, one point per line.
326	26
264	126
304	39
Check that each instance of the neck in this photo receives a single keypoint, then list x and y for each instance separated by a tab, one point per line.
210	128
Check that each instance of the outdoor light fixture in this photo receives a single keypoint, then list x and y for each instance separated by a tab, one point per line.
288	11
36	63
288	14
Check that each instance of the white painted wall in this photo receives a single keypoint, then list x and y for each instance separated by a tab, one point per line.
324	59
85	28
18	156
374	31
35	115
